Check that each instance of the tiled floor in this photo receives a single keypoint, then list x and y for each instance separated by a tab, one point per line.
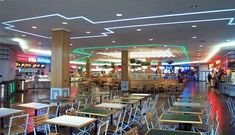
192	88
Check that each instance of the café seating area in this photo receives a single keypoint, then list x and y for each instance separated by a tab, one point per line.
114	112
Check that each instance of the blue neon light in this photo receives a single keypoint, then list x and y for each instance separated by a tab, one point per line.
43	60
108	30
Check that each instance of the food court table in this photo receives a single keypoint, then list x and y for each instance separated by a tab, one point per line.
187	104
171	132
97	112
5	112
189	96
189	100
111	105
71	121
34	105
97	94
134	98
185	110
141	95
185	121
124	101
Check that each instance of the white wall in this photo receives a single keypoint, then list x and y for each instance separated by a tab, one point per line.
7	69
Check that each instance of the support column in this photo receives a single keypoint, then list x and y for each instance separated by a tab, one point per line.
113	66
125	69
60	79
148	70
88	68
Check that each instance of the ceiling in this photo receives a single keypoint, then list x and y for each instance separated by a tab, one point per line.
197	25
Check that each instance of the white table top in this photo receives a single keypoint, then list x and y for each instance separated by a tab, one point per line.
111	105
8	112
142	95
187	104
71	121
34	105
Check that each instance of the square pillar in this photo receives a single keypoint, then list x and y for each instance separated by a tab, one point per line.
60	79
88	68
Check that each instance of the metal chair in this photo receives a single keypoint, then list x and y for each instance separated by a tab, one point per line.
17	125
103	128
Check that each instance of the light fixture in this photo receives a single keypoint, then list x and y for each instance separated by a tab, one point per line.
39	43
34	27
194	37
23	35
199	50
88	32
165	45
151	39
113	41
71	44
135	47
194	26
118	14
37	51
64	23
138	29
106	48
228	40
200	45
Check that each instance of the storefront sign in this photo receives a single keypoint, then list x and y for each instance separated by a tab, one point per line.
33	59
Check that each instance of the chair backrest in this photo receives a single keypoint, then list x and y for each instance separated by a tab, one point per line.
215	124
149	101
103	128
207	117
39	120
155	123
118	125
20	121
76	105
71	112
131	115
53	111
144	108
169	103
132	131
163	109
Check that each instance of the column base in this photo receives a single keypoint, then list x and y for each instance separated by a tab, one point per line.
55	92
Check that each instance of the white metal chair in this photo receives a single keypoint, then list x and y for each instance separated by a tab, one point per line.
76	105
231	108
103	128
17	125
117	128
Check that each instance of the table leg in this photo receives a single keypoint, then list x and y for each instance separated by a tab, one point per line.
96	125
101	99
36	112
70	131
2	122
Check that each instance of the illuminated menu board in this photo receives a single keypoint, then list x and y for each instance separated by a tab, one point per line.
33	59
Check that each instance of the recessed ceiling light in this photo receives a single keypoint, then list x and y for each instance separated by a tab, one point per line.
71	44
138	29
135	47
151	39
92	51
194	37
200	45
23	35
194	26
199	50
34	27
64	23
118	14
39	43
113	41
88	32
228	40
106	48
165	45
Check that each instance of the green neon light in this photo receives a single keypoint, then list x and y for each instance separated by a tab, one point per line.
82	52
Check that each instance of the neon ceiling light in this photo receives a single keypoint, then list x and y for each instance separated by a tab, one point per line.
82	51
142	54
108	30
